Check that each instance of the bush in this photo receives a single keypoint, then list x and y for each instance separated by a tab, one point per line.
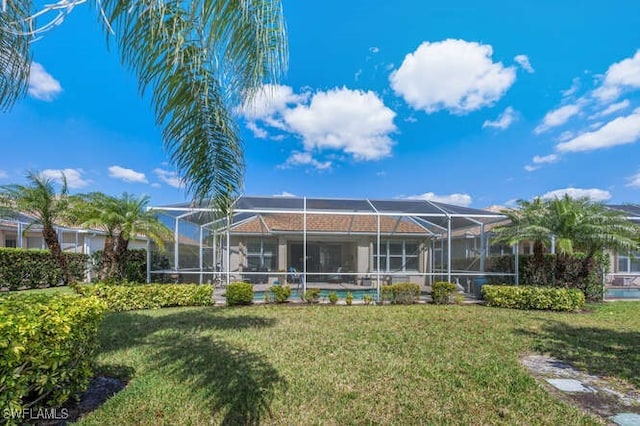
406	293
280	293
312	295
368	299
401	293
530	297
333	297
239	293
24	269
349	298
442	292
47	344
127	297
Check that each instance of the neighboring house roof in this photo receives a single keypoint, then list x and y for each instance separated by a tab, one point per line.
336	223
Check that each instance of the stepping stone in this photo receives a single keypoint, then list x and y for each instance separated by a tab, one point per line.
569	385
626	419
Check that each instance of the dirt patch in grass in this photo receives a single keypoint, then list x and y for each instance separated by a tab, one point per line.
602	396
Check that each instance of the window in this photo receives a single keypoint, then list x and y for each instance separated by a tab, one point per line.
629	263
261	255
396	256
10	243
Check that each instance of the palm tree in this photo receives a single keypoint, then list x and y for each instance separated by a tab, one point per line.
578	226
199	58
583	226
529	222
122	219
40	201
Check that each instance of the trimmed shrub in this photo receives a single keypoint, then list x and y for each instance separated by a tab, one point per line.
312	295
386	292
530	297
280	293
442	292
127	297
239	293
349	298
333	297
25	269
401	293
406	293
47	344
368	299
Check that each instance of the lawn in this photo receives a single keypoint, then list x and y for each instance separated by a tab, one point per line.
420	364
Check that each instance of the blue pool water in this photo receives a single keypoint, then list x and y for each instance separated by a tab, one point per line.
357	294
623	293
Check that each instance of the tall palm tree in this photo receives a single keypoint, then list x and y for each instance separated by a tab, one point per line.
199	58
122	219
40	201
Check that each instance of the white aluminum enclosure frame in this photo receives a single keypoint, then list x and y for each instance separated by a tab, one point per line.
428	221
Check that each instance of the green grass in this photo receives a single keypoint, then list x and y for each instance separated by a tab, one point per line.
362	364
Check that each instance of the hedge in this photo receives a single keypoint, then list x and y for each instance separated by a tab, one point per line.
239	293
127	297
25	269
47	344
135	265
531	297
560	272
401	293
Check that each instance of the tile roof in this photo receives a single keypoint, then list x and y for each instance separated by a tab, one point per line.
342	223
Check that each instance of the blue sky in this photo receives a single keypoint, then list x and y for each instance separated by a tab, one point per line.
473	103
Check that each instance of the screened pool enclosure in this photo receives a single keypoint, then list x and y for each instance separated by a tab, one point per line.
331	244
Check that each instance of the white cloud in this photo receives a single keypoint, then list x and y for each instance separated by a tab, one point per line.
170	178
620	131
503	121
593	193
352	121
619	76
531	168
127	175
575	85
456	198
270	100
547	159
3	174
634	181
305	159
613	108
523	61
284	194
454	75
42	85
557	117
258	132
374	49
156	185
73	176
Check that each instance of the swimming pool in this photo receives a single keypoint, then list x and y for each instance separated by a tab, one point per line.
623	293
357	294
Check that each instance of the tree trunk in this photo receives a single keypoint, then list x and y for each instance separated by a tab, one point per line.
106	270
51	239
538	263
120	254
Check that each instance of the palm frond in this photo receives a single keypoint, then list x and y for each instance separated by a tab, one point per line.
200	59
15	56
